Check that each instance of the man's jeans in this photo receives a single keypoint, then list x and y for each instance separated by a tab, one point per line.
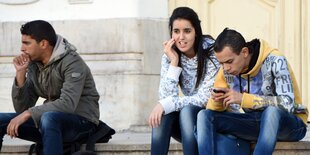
179	125
265	127
55	128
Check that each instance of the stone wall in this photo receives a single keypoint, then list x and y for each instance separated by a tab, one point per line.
123	54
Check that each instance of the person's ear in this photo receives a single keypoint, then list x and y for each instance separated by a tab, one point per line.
245	51
44	44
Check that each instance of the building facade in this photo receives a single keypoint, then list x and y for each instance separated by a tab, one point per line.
121	41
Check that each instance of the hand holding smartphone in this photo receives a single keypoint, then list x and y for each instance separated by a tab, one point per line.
171	52
218	94
174	47
217	90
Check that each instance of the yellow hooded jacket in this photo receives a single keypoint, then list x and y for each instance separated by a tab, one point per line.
271	82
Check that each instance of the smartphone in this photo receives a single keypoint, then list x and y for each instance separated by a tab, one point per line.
218	91
174	47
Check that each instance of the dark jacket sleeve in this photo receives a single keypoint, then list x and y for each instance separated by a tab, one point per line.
24	97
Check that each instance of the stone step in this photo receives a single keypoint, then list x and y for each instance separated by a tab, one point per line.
129	143
132	143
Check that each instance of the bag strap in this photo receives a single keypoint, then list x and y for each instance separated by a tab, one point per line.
31	149
37	148
102	131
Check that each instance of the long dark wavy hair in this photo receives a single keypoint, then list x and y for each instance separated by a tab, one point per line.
202	54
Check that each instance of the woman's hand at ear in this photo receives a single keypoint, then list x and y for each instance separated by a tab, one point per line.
170	52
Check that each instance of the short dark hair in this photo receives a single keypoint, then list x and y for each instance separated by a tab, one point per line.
39	30
231	38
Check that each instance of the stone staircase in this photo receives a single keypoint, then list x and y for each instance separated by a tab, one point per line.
138	143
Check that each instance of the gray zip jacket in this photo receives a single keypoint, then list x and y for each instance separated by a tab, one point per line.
66	84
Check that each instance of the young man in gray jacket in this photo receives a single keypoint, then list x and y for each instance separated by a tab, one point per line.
49	67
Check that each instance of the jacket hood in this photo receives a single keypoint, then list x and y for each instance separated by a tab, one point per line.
61	48
264	51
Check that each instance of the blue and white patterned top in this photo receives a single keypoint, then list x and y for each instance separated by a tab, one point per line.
169	78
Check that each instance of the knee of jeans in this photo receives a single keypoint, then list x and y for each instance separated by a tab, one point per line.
204	121
272	108
188	117
158	131
205	115
188	112
272	116
48	118
272	111
158	134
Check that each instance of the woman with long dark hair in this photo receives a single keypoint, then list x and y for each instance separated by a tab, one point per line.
188	63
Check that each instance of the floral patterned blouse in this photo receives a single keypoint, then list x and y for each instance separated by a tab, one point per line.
169	81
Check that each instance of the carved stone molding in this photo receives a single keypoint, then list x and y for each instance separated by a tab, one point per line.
210	1
17	2
271	3
80	1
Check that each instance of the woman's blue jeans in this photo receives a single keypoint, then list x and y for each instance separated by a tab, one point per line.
55	129
180	126
266	127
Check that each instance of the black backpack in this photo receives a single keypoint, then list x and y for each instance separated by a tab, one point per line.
102	134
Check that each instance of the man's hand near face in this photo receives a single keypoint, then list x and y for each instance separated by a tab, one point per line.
21	64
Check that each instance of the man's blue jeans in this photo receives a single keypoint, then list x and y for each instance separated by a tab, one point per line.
266	127
179	125
55	128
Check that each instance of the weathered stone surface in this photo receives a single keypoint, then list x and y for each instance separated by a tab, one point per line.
124	56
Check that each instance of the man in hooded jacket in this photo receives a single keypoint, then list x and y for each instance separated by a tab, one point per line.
49	67
256	97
